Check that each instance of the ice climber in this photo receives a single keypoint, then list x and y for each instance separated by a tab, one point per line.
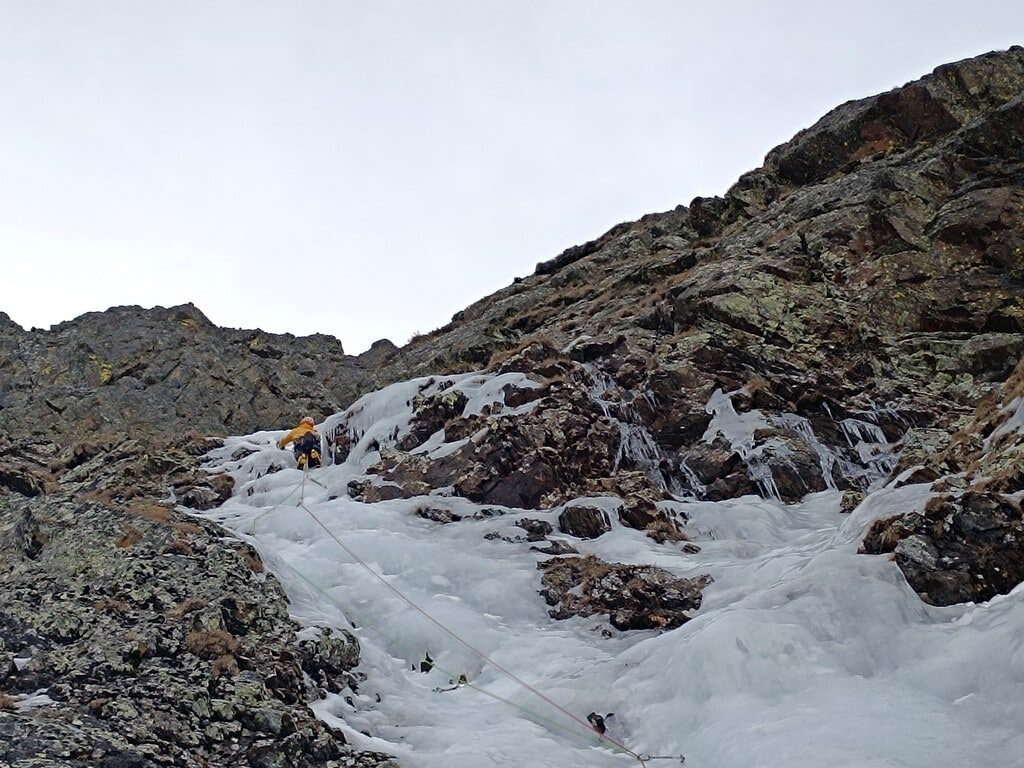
307	443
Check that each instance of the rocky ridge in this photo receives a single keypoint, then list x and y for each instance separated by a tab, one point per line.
166	371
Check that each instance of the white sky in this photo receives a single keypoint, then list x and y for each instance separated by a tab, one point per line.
368	169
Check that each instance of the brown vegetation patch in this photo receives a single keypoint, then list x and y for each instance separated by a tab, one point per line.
111	498
129	538
211	644
224	665
155	513
186	528
188	605
178	546
110	605
251	559
663	529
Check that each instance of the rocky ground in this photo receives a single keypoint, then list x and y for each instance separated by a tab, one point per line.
155	640
162	372
860	294
969	542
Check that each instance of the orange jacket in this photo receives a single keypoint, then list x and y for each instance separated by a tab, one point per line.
295	434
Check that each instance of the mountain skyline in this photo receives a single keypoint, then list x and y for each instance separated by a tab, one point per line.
390	165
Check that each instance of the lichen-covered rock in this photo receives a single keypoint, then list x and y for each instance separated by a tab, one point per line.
329	658
508	460
159	642
163	371
962	548
21	480
633	596
584	522
869	271
431	414
968	543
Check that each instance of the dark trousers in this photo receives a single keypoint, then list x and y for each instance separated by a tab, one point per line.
307	450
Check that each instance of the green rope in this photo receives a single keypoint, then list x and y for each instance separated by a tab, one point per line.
587	736
574	731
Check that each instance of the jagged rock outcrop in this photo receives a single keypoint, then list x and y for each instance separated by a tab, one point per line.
633	596
863	289
870	270
968	544
159	372
963	547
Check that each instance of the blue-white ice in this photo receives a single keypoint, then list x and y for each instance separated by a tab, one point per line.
804	654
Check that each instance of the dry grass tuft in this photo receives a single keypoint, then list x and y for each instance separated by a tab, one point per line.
662	530
177	546
186	528
104	497
757	384
155	513
129	538
224	665
499	356
212	645
188	605
110	605
251	559
6	702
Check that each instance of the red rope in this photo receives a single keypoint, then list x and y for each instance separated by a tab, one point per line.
458	639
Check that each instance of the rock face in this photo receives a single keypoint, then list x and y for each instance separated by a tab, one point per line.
540	447
964	547
158	643
861	293
870	269
969	542
166	371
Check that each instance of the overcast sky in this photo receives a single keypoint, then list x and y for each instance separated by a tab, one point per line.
367	169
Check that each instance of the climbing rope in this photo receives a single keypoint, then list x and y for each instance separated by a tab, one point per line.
587	735
645	758
299	485
585	731
398	593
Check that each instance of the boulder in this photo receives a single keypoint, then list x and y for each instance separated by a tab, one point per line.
536	530
962	548
584	522
633	596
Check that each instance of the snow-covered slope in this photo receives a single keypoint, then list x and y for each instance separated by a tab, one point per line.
803	654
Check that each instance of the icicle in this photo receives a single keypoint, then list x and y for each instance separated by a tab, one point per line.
738	429
826	457
873	451
637	445
696	486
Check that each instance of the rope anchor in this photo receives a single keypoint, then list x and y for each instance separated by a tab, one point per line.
454	685
648	758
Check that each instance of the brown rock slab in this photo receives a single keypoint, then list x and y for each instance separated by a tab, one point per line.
962	548
584	522
633	596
